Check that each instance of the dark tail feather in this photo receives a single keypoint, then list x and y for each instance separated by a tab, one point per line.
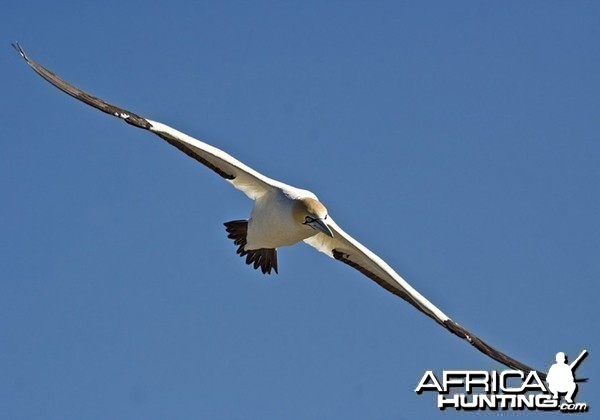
265	258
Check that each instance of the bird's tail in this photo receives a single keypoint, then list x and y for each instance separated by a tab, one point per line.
265	258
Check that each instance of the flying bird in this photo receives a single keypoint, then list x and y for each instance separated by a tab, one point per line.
282	215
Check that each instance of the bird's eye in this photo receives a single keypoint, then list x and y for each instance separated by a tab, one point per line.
326	216
308	219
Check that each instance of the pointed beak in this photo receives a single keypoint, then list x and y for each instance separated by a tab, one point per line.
321	226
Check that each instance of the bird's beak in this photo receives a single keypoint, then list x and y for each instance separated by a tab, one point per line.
321	226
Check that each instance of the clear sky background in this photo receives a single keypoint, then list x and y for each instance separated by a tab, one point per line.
458	140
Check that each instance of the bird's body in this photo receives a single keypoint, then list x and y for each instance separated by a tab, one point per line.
279	214
282	215
272	223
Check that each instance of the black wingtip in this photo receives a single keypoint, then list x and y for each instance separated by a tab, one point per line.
20	50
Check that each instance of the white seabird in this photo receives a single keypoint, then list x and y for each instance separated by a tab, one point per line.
282	215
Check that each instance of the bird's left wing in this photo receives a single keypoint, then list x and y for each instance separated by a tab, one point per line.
346	249
244	178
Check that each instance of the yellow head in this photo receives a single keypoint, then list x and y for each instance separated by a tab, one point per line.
311	213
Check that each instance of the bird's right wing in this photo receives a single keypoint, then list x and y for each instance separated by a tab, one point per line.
346	249
244	178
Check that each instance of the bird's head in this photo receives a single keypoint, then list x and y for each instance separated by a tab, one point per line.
312	214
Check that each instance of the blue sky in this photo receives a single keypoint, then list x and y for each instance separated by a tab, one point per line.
458	140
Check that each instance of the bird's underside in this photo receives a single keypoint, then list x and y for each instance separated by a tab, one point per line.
338	245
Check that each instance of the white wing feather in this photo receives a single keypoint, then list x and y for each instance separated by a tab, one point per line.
346	249
353	251
252	183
